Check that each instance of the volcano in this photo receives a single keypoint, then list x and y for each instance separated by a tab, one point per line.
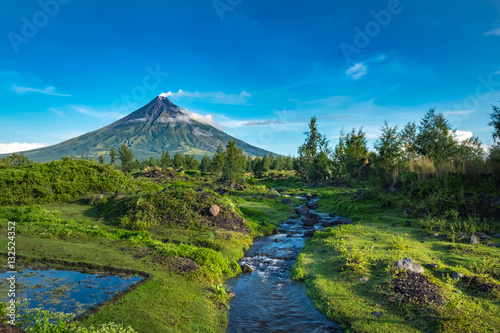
159	125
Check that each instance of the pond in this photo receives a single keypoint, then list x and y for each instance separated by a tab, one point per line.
66	291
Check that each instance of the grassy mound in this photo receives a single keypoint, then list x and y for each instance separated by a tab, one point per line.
59	181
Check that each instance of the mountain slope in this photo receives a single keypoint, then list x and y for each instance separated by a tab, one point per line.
156	126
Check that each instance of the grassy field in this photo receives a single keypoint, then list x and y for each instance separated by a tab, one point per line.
349	272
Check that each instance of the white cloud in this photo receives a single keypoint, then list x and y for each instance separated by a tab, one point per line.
461	136
458	113
357	71
58	112
494	32
46	91
212	97
14	147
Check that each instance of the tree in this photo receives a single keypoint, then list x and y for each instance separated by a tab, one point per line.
179	161
113	154
165	160
408	137
235	162
313	162
351	153
205	163
389	147
218	161
126	158
190	162
495	122
101	159
435	139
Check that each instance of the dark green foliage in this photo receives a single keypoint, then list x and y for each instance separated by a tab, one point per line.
165	160
15	160
59	181
126	158
205	164
351	153
191	162
179	161
218	161
101	159
113	154
389	148
435	138
495	122
235	162
313	161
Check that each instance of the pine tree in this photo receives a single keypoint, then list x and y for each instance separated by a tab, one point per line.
126	158
435	139
205	163
113	154
165	160
179	161
101	159
495	122
235	162
218	161
389	147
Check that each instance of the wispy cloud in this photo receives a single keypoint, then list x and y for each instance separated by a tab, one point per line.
58	112
494	32
89	111
458	113
46	91
14	147
357	71
212	97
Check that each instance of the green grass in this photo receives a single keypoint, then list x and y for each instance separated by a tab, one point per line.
333	262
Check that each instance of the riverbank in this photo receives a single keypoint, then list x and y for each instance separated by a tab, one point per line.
349	271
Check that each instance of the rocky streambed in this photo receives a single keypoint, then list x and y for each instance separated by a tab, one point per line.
267	300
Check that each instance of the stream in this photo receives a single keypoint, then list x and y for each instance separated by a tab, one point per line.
267	300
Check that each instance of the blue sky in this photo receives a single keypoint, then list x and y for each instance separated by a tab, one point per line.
257	69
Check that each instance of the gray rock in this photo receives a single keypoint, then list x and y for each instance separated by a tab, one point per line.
325	224
246	269
495	236
273	191
409	265
433	266
272	196
302	210
310	219
309	233
457	275
473	240
7	328
287	202
309	196
377	314
277	240
482	236
363	279
214	210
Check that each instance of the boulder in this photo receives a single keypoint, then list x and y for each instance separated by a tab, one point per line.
312	205
272	196
310	219
377	314
7	328
277	240
309	233
274	192
246	269
214	210
309	196
482	236
288	202
325	224
473	240
363	279
433	266
495	236
457	275
409	265
302	210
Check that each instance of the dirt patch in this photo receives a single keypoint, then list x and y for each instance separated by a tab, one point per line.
138	252
179	264
478	284
415	287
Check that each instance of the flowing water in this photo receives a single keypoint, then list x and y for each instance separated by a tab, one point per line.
266	299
